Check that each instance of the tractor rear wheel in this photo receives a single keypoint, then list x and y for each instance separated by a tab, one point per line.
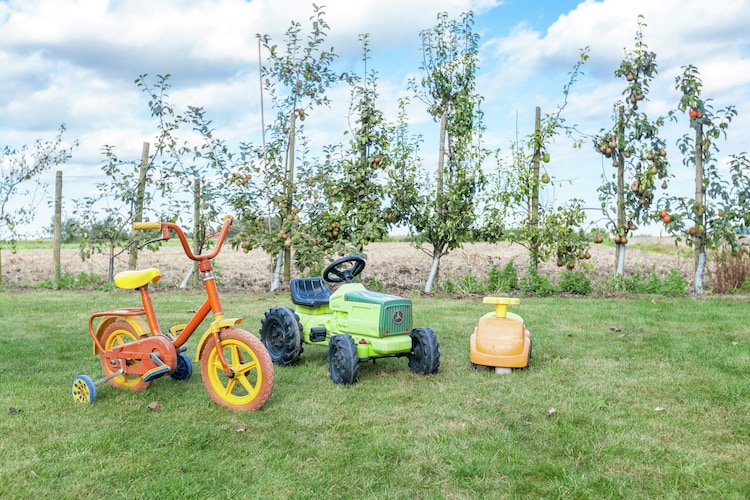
281	334
343	362
424	357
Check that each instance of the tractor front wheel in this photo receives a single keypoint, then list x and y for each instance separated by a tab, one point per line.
281	334
424	357
343	362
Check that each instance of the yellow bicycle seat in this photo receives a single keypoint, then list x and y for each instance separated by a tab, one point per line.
131	280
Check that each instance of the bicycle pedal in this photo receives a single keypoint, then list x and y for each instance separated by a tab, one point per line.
155	372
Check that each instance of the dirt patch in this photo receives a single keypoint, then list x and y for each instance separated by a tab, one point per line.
395	265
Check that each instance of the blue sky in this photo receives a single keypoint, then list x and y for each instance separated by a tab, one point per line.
74	62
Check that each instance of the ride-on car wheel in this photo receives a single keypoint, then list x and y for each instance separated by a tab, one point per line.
424	357
343	362
280	333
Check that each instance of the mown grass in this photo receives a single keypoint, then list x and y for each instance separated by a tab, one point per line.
636	398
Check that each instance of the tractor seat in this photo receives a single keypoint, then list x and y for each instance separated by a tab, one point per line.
310	292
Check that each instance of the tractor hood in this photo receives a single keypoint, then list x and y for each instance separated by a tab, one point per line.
372	313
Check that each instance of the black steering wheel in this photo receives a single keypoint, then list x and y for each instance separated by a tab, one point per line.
340	272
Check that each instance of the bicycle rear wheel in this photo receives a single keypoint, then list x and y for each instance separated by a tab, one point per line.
118	333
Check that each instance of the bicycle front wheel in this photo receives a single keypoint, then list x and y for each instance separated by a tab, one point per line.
251	382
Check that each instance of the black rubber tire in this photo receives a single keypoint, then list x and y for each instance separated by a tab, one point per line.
281	334
424	357
343	362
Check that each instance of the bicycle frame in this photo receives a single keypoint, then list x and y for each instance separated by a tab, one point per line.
212	303
235	366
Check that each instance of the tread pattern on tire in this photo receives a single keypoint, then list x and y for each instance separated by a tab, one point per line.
281	335
343	362
425	354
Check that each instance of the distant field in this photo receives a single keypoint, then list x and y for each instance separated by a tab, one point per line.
394	264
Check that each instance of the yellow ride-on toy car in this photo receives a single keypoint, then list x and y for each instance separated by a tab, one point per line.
500	339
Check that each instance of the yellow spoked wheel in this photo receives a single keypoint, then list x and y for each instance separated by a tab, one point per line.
252	382
118	333
83	390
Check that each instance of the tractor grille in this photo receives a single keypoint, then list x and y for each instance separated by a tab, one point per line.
395	319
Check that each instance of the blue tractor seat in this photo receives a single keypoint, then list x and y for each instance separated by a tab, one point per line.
310	292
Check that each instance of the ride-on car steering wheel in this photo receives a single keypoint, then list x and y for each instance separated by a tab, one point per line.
340	272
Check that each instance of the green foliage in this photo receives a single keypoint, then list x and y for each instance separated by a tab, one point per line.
672	285
20	179
537	284
575	282
103	221
711	218
439	209
70	281
354	187
512	207
634	148
375	285
292	211
179	166
505	280
466	284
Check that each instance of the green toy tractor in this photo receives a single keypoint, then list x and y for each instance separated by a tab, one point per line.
354	323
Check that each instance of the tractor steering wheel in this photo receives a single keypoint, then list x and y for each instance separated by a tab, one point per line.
345	274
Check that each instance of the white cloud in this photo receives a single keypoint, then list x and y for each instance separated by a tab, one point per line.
74	62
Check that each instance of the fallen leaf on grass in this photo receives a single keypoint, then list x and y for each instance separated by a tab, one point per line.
155	406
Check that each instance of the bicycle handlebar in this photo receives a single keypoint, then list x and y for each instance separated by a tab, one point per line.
166	226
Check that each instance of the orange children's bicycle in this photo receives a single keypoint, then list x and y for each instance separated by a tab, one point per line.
236	368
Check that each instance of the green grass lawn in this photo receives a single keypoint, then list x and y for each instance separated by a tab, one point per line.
635	398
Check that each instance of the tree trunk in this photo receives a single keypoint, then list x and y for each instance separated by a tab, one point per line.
111	266
140	195
441	161
534	216
433	273
289	192
700	219
57	228
276	284
620	259
196	227
620	249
